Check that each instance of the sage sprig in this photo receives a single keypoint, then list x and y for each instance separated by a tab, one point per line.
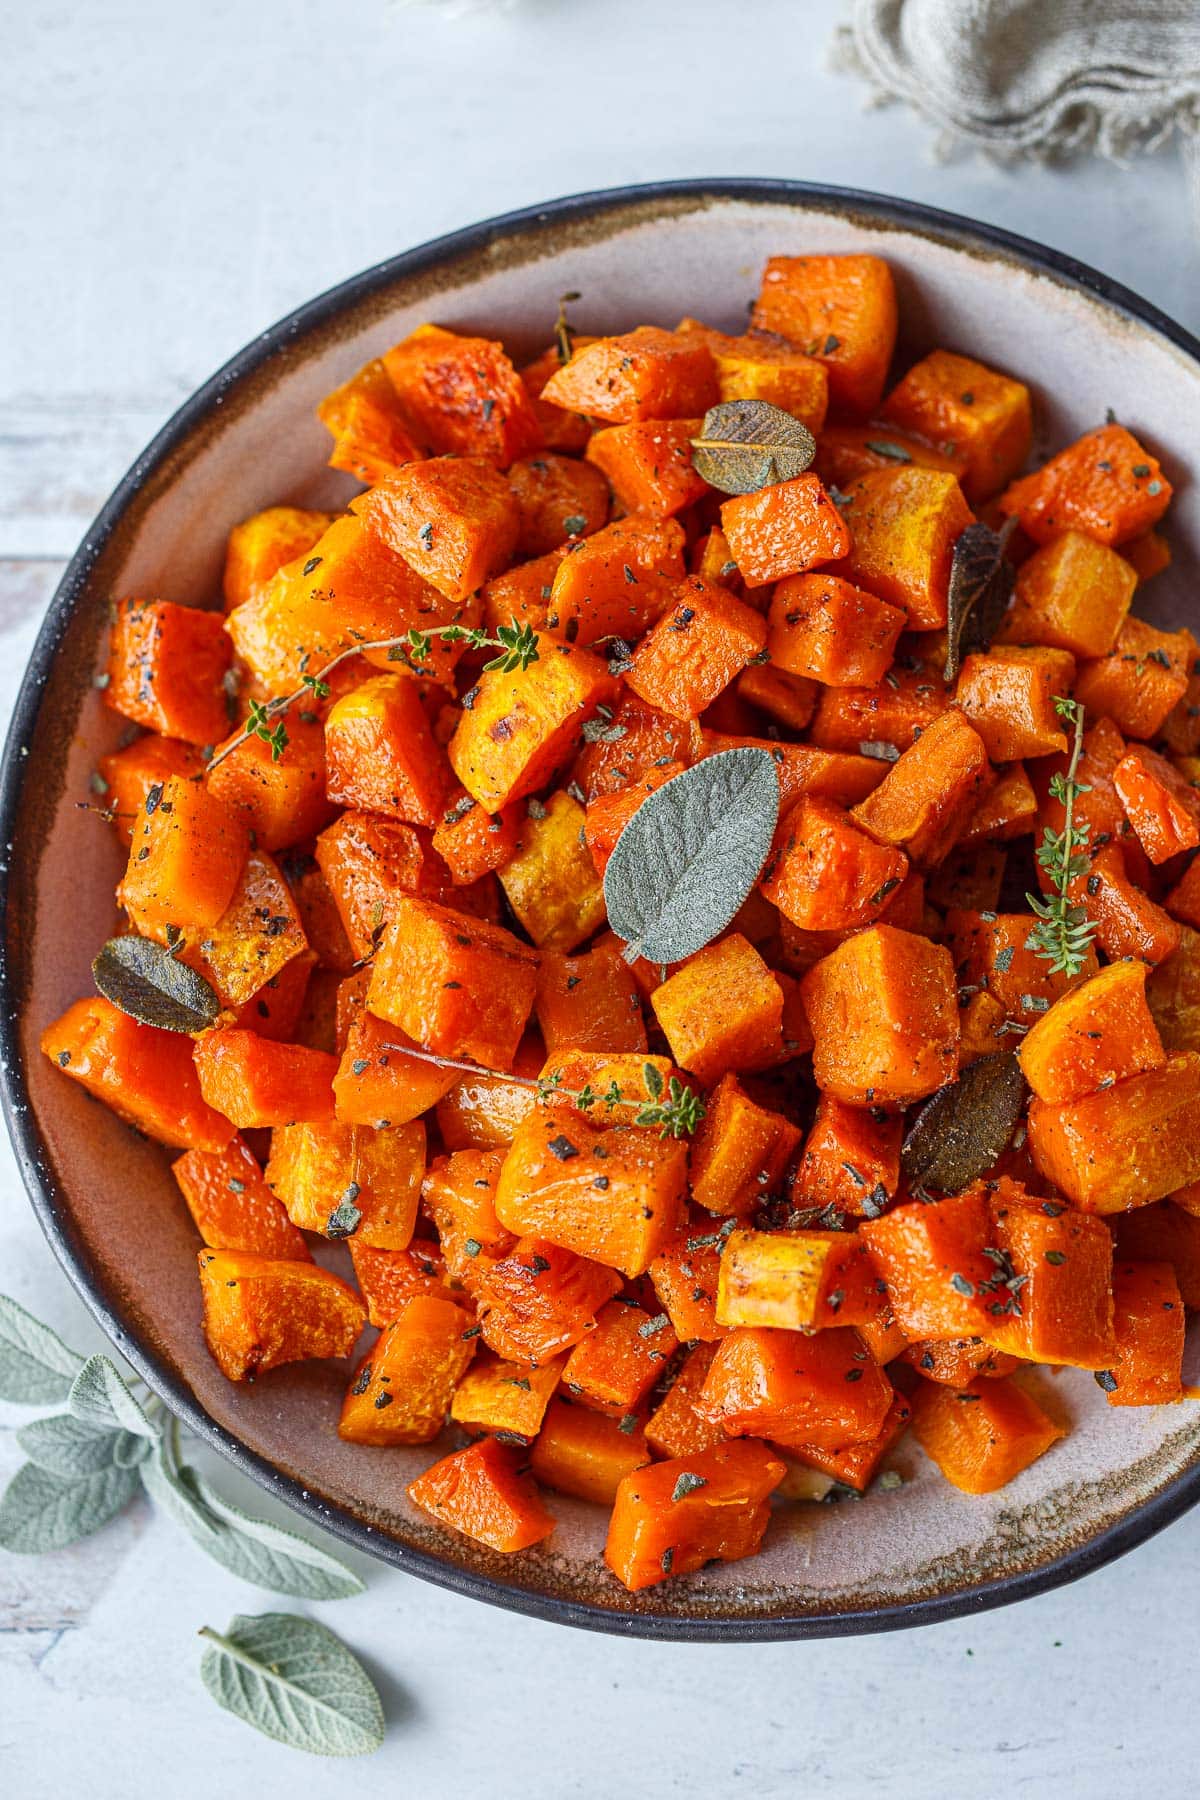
745	445
36	1368
294	1681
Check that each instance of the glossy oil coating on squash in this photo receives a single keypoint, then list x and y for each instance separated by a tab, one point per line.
687	1240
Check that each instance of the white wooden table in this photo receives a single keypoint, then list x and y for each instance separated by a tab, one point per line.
174	179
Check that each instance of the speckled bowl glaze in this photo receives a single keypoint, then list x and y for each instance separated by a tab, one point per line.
250	438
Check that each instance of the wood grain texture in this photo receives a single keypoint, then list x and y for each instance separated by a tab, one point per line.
176	178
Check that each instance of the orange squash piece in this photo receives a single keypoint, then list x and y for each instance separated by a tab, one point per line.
166	669
282	800
403	1387
794	1280
260	1312
754	368
649	465
255	1082
453	984
618	582
582	1452
826	875
1062	1312
670	1518
480	1492
722	1010
377	1083
957	1362
130	773
676	1428
232	1206
482	1112
550	880
320	1171
981	1436
507	1398
932	1257
185	860
784	529
684	1275
643	374
380	752
1147	1368
1128	922
927	798
851	1159
635	742
1009	694
903	523
883	1008
1138	684
856	1465
991	951
1097	1033
978	413
471	842
520	727
841	310
371	437
1105	484
827	629
589	1001
1162	807
1072	593
895	712
558	497
539	1299
462	395
389	1278
258	548
614	1195
696	649
614	1367
145	1076
740	1151
455	520
844	452
367	864
796	1387
1127	1145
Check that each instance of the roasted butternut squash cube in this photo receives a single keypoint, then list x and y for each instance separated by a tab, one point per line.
260	545
631	745
520	727
856	1466
985	416
993	951
825	874
784	529
381	754
471	842
615	1366
550	879
933	1259
866	720
796	1387
481	1493
508	1398
1062	1309
676	1428
740	1151
1147	1367
851	1159
539	1299
1127	921
256	1082
368	863
453	984
455	520
589	1002
1127	1145
722	1010
844	452
482	1112
841	310
957	1362
787	699
618	582
607	816
981	1437
698	646
130	773
582	1452
649	465
1009	693
166	669
684	1275
350	1180
1008	809
1141	680
377	1083
558	498
1162	807
903	524
185	860
389	1278
463	395
883	1008
232	1206
1105	484
260	1312
257	936
145	1076
403	1388
793	1280
671	1518
928	798
1164	1232
614	1195
1072	593
830	631
754	368
1097	1033
371	437
1173	993
643	374
283	800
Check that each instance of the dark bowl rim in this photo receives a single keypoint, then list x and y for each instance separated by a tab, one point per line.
1115	1539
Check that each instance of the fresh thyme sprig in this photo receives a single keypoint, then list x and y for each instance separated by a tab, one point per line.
676	1109
517	644
1063	934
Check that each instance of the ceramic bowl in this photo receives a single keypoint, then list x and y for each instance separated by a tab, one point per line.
249	438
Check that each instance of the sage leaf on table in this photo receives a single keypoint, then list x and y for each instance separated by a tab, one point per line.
36	1368
41	1511
294	1681
253	1549
981	586
961	1130
745	445
69	1448
99	1397
691	853
147	981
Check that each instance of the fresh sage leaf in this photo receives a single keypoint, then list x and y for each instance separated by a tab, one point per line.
961	1130
691	853
253	1549
41	1511
100	1398
65	1446
294	1681
147	981
981	586
36	1368
745	445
